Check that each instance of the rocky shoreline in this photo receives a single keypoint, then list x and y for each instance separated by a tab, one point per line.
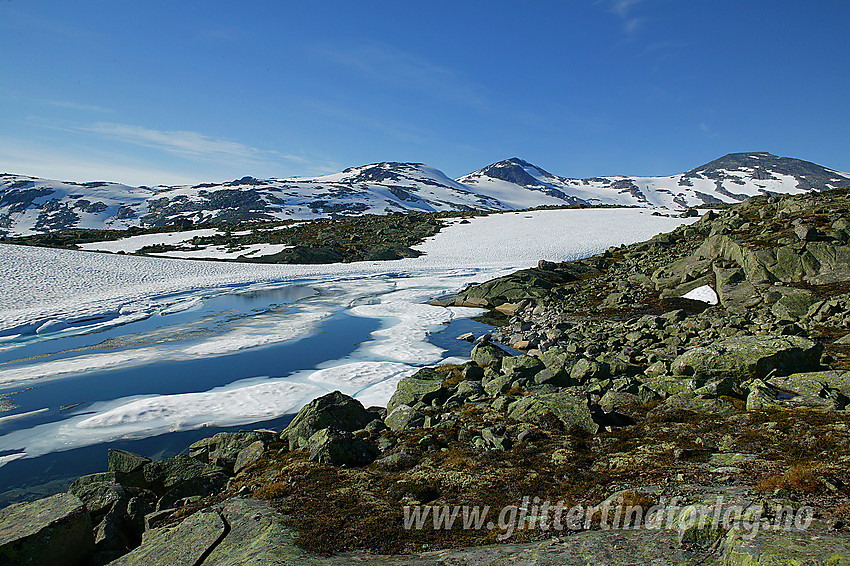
626	396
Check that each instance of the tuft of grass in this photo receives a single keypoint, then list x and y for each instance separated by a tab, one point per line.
273	490
799	478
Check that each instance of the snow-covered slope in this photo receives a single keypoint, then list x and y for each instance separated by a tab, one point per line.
30	205
731	178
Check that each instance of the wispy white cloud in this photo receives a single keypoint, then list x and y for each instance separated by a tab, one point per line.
77	106
183	156
399	69
181	142
25	158
623	9
194	144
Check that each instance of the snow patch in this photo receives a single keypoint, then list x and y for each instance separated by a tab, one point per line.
706	294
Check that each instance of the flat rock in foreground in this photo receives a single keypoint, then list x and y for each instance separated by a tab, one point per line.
51	531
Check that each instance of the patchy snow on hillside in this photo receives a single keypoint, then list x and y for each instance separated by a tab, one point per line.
132	244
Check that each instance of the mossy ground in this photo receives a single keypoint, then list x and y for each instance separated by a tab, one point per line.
799	455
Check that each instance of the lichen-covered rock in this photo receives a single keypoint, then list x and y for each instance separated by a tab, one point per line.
98	496
733	289
697	524
570	408
182	545
495	383
164	475
622	401
194	486
695	404
748	357
117	533
812	545
403	417
50	531
423	386
557	378
249	455
101	477
334	409
584	370
488	355
762	396
522	365
127	467
123	462
818	383
223	448
793	305
341	448
556	359
257	537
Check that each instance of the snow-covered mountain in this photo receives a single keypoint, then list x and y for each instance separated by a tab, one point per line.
30	205
731	178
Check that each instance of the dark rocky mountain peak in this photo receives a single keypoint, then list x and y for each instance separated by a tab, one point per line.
764	166
514	170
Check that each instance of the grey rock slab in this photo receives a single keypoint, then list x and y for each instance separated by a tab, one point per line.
50	531
185	544
257	537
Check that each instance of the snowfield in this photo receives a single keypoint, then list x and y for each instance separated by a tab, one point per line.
73	291
41	284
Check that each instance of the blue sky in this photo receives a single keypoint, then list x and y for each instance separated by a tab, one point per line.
171	92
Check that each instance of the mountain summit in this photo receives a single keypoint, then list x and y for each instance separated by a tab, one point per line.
31	205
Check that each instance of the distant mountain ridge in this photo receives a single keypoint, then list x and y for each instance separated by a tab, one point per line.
30	205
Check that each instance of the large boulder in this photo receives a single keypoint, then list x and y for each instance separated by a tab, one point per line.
163	475
127	467
403	417
814	544
123	462
749	357
793	305
571	409
334	409
341	448
695	404
587	370
98	496
423	386
817	383
733	289
223	448
488	355
55	530
522	365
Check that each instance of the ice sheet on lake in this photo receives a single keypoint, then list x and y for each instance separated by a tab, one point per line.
237	404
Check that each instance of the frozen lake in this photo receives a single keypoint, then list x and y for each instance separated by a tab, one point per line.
149	354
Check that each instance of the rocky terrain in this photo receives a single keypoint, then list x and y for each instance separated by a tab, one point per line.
30	206
626	395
